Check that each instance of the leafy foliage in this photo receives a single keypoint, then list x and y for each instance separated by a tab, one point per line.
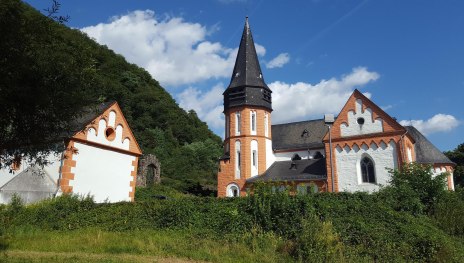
324	227
415	189
43	82
449	212
457	156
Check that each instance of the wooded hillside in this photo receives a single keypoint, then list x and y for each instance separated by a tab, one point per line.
50	68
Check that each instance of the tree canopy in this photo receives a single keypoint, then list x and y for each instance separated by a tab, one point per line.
43	84
457	156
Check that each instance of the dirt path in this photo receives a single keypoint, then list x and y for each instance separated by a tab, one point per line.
38	256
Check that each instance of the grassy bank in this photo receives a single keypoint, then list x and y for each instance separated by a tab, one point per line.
87	245
274	228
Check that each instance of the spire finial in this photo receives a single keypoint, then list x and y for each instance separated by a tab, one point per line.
246	22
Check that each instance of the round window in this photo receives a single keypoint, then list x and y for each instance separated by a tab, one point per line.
110	134
360	120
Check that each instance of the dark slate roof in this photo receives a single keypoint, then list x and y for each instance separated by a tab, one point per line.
247	86
298	135
303	170
426	152
88	114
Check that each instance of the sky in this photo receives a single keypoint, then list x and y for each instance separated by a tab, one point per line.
406	56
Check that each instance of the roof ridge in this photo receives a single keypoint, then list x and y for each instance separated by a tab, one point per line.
295	122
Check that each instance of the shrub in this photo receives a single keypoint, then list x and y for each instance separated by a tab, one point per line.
449	213
416	181
318	242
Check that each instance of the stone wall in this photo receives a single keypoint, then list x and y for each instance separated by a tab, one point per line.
149	170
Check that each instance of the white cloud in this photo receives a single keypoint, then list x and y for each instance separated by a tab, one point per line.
438	123
387	107
208	106
279	61
175	52
303	101
260	50
291	102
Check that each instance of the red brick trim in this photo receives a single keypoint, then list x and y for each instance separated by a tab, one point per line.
106	147
68	164
133	183
365	136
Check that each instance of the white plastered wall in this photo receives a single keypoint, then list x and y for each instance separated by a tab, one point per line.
352	128
349	171
100	137
439	170
270	157
104	174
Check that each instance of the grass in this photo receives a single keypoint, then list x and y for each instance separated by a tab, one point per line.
92	245
58	257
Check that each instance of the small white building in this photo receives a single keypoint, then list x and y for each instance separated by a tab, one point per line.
100	159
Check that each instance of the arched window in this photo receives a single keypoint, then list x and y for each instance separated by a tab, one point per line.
254	158
238	122
409	154
367	170
232	190
227	127
266	125
238	159
253	122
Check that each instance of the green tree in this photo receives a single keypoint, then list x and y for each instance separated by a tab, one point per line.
457	156
415	188
43	83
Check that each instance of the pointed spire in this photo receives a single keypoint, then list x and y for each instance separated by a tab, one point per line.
247	71
247	77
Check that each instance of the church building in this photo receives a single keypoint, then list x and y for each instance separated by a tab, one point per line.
350	152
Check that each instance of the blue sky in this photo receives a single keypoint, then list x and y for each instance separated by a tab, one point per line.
406	55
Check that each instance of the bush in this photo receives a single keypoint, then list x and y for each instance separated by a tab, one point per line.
449	213
416	181
325	226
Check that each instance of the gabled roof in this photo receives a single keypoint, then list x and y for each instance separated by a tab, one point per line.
388	123
291	171
426	152
90	120
298	135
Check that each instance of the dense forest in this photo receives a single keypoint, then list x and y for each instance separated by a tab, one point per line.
49	68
